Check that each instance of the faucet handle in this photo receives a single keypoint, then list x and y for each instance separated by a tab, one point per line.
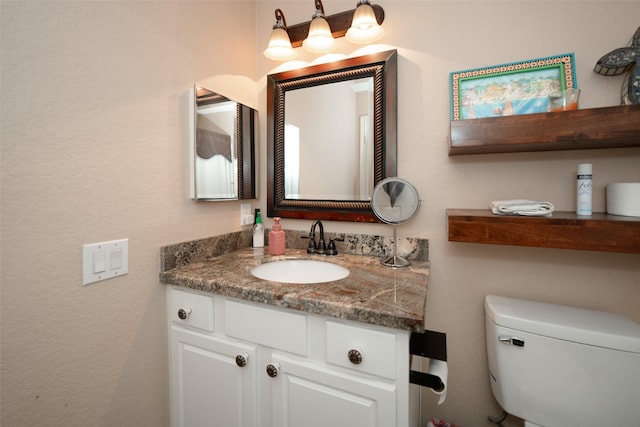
312	248
331	248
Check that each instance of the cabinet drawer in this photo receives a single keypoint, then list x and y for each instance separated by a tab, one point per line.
198	309
270	327
378	349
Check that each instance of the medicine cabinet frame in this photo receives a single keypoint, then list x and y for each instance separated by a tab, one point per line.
243	151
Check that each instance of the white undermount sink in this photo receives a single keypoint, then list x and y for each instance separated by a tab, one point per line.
300	271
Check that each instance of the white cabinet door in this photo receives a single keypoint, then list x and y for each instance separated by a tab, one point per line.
305	394
208	387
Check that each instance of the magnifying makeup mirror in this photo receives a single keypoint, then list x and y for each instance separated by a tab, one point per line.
395	201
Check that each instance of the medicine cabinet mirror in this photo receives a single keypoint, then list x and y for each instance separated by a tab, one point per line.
331	137
222	143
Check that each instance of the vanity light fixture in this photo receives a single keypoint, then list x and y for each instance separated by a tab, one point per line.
364	27
279	48
361	25
320	39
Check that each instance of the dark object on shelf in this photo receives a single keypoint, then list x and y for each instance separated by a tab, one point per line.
624	60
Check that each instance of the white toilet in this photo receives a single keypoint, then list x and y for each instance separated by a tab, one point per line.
559	366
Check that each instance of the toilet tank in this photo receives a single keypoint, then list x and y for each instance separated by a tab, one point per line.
555	365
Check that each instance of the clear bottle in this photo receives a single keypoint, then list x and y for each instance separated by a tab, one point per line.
584	188
276	238
258	231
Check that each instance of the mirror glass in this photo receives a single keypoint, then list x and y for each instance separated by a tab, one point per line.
395	200
336	162
332	137
223	147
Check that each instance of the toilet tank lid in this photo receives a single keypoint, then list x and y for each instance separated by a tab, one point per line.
574	324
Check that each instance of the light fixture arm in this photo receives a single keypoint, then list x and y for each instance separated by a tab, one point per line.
339	23
281	22
319	9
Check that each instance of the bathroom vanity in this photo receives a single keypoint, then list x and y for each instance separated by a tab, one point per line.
251	352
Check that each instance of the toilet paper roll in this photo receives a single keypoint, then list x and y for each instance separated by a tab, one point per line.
440	369
623	198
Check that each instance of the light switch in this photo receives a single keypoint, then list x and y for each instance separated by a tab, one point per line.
99	262
116	259
246	217
105	260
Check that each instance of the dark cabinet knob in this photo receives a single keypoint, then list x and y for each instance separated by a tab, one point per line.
355	356
184	313
272	369
242	359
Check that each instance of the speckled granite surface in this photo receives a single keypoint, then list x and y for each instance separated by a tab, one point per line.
172	256
372	293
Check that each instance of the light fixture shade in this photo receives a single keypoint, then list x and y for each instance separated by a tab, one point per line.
279	48
319	39
364	28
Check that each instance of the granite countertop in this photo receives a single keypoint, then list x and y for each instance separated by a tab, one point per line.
372	293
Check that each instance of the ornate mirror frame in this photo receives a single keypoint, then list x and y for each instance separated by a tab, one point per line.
382	67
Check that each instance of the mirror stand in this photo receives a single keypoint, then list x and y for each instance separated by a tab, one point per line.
395	201
395	260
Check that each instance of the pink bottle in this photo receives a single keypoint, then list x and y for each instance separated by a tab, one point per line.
276	238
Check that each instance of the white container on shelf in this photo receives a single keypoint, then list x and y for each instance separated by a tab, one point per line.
623	198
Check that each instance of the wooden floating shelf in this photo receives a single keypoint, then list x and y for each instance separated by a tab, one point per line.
563	230
608	127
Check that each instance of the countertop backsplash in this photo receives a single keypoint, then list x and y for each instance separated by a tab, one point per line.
179	254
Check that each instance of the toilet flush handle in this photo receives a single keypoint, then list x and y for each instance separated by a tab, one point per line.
518	342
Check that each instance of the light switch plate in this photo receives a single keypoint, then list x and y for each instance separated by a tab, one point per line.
104	260
246	217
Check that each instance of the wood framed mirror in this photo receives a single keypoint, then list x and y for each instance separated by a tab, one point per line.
332	136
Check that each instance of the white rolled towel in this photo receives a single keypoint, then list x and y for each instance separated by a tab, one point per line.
521	207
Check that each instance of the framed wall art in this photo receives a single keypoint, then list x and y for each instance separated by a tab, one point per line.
509	89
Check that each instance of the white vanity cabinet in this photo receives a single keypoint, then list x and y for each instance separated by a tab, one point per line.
209	388
213	379
299	369
308	394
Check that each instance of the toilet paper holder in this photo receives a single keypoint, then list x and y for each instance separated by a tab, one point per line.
433	345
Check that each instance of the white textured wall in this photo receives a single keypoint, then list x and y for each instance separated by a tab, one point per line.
434	38
93	149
